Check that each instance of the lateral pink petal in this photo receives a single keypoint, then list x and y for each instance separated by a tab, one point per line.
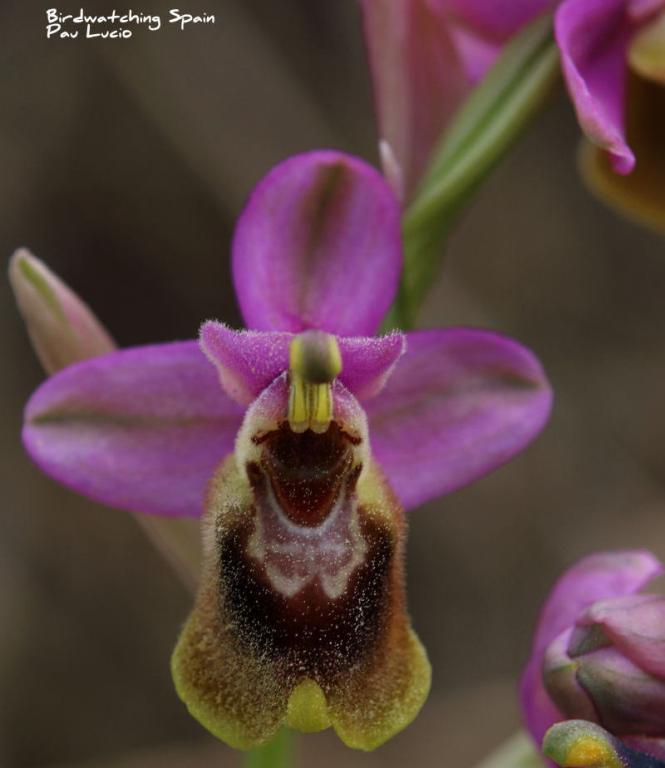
597	577
593	37
141	429
418	76
318	246
460	403
368	363
248	361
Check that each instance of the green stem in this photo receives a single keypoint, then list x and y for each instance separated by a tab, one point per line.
493	117
516	752
277	753
489	122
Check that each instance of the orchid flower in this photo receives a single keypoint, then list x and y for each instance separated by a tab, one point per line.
299	443
599	655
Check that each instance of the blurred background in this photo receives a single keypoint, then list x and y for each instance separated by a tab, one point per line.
124	165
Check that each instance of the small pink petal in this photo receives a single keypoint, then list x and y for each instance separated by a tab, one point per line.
248	361
368	362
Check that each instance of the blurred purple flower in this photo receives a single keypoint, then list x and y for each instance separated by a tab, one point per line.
301	613
592	36
419	81
599	652
419	86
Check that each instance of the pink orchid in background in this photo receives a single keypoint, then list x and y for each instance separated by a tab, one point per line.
599	655
601	42
419	82
425	57
298	442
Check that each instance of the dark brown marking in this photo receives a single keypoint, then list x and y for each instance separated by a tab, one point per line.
309	634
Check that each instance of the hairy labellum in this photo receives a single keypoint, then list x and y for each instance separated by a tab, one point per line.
301	614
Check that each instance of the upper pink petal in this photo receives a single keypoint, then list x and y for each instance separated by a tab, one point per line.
418	76
593	36
318	246
594	578
140	429
460	403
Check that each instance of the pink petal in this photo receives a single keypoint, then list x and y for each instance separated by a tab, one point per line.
594	578
460	403
318	246
418	78
593	36
368	362
140	429
636	626
644	10
476	52
248	361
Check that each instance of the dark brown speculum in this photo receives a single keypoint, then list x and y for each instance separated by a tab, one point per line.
308	633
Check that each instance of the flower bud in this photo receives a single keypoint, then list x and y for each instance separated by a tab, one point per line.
62	328
609	667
